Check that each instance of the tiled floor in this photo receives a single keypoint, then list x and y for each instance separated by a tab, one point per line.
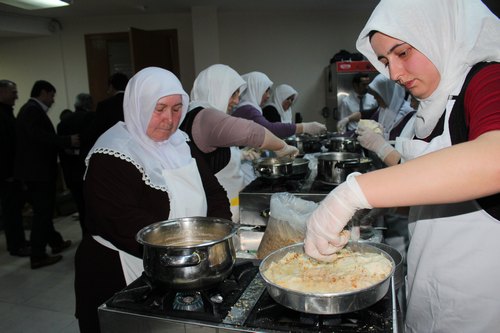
40	300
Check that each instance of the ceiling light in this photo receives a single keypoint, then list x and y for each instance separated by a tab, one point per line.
36	4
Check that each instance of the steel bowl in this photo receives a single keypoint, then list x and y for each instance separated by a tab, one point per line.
188	252
273	167
326	303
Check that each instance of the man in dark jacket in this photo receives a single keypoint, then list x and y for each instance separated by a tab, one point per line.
11	194
72	163
108	112
36	165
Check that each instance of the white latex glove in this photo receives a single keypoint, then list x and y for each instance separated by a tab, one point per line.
287	150
342	124
313	128
249	154
325	234
373	141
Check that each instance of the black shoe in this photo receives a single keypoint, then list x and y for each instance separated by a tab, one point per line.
21	252
63	246
48	260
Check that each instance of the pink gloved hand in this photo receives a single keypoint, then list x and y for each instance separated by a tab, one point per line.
313	128
374	141
287	150
325	234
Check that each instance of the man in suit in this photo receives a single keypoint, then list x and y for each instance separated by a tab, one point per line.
108	112
36	165
72	164
11	192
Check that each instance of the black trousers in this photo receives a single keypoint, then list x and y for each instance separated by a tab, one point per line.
12	201
43	198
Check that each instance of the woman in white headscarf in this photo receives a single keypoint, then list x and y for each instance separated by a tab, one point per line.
279	109
446	54
218	135
392	106
139	172
255	96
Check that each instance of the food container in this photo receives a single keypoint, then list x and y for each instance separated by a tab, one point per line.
189	252
273	167
326	303
399	275
333	168
343	144
300	166
306	144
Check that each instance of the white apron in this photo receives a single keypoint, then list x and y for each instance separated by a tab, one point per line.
231	178
453	272
187	198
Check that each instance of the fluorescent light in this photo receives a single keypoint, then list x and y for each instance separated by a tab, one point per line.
36	4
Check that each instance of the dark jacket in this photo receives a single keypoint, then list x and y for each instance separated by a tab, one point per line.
108	112
37	144
7	141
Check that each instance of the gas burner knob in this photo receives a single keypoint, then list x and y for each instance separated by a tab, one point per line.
217	298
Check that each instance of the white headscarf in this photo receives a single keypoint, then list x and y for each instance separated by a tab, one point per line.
214	86
280	94
453	34
128	140
394	97
257	84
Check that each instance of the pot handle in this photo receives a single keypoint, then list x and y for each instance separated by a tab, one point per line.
192	259
264	171
344	164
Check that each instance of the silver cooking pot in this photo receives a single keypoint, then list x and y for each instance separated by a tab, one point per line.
300	166
189	252
333	168
399	275
273	167
325	303
343	144
305	143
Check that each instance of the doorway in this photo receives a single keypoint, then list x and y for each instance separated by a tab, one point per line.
128	52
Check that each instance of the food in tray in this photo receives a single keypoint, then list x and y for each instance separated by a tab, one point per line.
350	271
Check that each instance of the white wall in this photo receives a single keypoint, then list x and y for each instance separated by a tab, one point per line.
290	47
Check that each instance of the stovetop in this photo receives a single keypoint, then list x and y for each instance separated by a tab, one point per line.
239	303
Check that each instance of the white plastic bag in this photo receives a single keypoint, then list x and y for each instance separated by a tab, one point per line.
287	222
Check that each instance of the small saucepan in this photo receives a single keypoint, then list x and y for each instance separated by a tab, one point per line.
273	167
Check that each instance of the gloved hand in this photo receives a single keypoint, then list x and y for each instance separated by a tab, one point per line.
325	235
249	154
342	124
373	141
287	150
313	128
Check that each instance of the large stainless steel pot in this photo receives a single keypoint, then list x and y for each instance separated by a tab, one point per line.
306	144
273	167
343	144
399	275
300	166
190	252
325	303
333	168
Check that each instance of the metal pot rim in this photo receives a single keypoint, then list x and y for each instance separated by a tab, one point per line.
299	248
140	235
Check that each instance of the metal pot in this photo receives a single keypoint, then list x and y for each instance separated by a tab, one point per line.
273	167
189	252
306	144
300	166
325	303
399	275
343	144
333	168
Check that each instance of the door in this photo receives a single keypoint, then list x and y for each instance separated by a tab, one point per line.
128	52
155	48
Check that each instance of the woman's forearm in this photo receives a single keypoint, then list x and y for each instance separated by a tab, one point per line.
462	172
272	142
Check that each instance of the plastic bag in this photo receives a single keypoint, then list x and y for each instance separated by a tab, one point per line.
287	222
